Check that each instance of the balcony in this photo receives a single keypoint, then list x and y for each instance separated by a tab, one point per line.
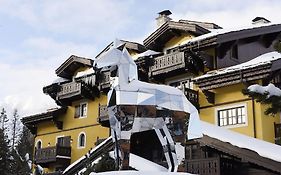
103	118
277	129
75	91
167	64
59	155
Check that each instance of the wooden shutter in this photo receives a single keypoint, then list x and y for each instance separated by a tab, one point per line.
77	111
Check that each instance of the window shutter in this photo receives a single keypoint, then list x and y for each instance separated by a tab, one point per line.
77	111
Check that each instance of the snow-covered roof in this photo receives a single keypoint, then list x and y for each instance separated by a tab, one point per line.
60	80
263	148
85	73
260	60
216	32
148	53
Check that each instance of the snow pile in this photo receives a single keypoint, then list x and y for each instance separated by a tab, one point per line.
260	60
139	173
59	80
263	148
85	73
270	89
142	164
148	53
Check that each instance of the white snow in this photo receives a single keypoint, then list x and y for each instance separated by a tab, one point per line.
85	73
215	32
59	80
148	53
139	173
263	148
270	89
84	157
260	60
142	164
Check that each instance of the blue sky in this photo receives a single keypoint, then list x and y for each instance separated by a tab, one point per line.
36	36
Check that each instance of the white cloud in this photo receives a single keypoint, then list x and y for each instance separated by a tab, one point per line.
85	18
21	88
228	13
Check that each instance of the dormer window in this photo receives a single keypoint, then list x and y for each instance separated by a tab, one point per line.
81	110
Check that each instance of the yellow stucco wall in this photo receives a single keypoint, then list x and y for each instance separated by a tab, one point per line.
178	40
48	133
229	96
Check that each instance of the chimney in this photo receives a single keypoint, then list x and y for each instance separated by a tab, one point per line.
163	17
260	20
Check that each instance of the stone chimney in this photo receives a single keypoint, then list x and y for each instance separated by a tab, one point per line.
163	17
260	20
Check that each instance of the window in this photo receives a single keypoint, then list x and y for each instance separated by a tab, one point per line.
82	140
232	116
39	144
81	110
63	141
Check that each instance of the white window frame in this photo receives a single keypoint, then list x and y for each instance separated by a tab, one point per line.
78	140
39	140
228	107
80	110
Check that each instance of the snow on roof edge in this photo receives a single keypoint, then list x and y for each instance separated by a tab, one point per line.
260	60
263	148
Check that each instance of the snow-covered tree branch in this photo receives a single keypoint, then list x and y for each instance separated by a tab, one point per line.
269	94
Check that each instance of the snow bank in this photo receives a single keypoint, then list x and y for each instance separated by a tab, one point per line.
139	173
263	148
260	60
270	89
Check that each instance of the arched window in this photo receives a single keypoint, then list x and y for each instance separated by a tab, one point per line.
82	140
38	144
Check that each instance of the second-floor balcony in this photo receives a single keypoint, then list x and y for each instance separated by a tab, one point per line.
75	91
56	154
167	64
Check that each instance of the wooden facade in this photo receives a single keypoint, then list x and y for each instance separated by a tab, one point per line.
210	156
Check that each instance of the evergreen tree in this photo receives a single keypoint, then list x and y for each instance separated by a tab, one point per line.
23	152
262	95
5	157
15	127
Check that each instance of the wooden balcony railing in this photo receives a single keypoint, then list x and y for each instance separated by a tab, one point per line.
277	129
69	90
44	156
207	166
167	63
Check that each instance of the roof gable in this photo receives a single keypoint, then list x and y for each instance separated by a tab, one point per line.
71	65
168	30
